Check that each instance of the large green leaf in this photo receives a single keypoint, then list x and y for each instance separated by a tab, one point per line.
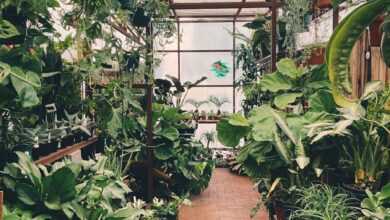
385	44
170	132
28	194
24	84
322	101
275	82
263	123
230	135
7	30
59	187
5	70
163	152
288	68
282	101
115	123
30	169
238	120
282	149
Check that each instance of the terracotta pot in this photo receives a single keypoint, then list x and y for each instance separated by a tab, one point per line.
317	56
324	3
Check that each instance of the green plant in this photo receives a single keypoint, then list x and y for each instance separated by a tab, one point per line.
365	135
196	104
294	14
168	210
341	43
65	191
322	202
377	206
209	137
218	102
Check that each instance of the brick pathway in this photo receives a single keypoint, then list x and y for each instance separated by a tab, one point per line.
228	197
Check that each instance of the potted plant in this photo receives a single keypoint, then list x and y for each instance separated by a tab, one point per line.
218	102
209	137
203	115
196	105
314	54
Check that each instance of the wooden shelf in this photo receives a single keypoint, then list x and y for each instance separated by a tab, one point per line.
65	151
208	121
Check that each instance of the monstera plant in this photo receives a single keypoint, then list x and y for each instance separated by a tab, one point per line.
342	42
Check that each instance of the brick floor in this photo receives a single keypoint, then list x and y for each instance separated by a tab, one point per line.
228	197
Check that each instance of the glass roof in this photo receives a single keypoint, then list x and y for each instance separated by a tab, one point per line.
218	8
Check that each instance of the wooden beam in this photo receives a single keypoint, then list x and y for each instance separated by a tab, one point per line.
1	204
336	12
274	37
222	5
65	151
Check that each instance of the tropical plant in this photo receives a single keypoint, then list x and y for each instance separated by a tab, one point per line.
377	206
253	57
65	191
322	202
218	102
196	104
209	137
341	44
365	135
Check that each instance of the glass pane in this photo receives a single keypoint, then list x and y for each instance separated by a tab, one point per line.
239	98
166	43
240	29
196	65
207	36
168	65
203	93
207	128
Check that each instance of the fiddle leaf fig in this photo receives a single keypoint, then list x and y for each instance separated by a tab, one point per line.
230	135
275	82
282	101
263	123
288	68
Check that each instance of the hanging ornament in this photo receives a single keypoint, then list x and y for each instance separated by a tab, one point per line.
220	69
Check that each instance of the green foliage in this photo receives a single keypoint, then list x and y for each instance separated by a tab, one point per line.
66	190
341	44
377	206
322	202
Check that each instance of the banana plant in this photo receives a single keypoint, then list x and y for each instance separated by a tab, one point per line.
340	47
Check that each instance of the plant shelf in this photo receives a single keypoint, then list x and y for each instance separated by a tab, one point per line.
65	151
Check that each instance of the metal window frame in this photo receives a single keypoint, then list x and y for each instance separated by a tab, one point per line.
228	18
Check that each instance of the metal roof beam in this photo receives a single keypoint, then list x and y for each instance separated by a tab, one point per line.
222	5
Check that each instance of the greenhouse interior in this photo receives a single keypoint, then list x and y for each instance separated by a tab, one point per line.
194	109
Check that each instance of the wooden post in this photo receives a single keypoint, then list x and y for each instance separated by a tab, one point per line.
274	37
1	204
149	114
336	11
